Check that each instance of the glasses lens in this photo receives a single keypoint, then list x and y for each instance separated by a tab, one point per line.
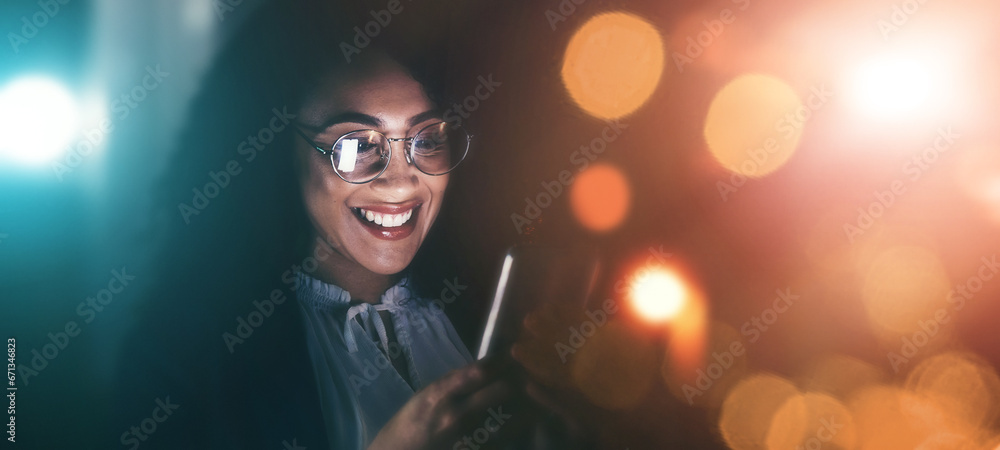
360	156
438	148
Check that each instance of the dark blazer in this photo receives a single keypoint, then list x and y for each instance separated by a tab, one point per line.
262	395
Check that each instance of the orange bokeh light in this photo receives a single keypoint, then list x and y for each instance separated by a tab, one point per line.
747	413
613	64
662	294
658	294
600	198
754	124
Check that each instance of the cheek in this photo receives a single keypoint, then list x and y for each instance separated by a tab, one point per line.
324	194
437	186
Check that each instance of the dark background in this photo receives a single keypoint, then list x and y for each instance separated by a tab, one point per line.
61	239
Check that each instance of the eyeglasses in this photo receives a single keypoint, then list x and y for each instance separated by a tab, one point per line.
361	156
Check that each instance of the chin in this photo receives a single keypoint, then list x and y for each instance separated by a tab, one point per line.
390	263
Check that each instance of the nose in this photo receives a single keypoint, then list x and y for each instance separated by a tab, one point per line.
400	178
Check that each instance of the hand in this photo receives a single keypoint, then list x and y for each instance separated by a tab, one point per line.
444	413
548	382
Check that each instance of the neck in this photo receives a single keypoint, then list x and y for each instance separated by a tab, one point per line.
363	284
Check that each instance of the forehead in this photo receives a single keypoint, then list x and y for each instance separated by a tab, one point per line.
378	87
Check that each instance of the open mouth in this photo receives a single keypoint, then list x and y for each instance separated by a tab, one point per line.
390	223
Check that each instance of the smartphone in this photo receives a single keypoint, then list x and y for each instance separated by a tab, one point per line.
529	277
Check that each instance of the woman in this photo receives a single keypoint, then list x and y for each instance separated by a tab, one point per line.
292	306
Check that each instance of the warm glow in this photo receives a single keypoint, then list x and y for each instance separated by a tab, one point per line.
798	422
600	198
615	367
613	64
724	363
964	388
904	287
745	420
841	375
754	124
658	294
888	87
882	420
979	175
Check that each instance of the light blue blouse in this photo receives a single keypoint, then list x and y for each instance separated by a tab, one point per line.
359	388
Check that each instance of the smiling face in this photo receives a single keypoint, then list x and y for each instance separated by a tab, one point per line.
379	225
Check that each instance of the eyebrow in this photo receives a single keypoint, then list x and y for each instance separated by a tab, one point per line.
372	121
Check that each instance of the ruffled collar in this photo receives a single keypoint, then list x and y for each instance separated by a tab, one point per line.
330	297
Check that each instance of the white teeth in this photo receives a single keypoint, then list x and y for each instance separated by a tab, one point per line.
387	220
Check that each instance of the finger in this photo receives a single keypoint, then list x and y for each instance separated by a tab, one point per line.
560	409
457	383
459	414
529	358
499	410
546	399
